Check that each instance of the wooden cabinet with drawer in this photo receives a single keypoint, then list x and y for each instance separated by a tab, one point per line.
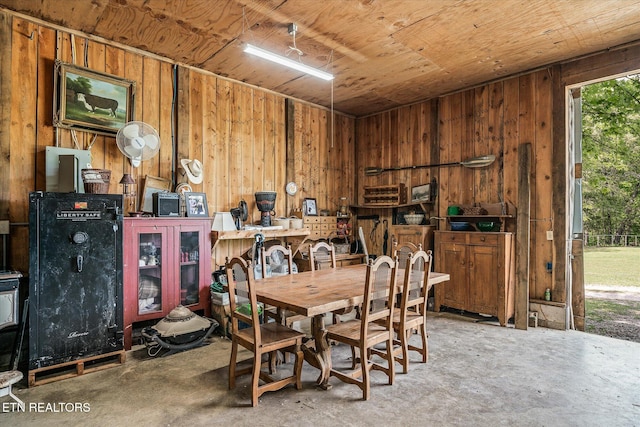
482	269
319	226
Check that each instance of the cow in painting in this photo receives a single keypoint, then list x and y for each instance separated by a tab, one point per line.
91	102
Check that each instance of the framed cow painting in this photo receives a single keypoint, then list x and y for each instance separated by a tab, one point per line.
91	101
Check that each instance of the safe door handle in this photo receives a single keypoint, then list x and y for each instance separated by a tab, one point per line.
79	260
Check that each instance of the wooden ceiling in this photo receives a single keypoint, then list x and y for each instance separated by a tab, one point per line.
384	53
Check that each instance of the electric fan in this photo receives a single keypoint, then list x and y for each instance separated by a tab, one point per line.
240	214
138	141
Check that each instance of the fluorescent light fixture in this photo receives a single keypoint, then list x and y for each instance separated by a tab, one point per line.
287	62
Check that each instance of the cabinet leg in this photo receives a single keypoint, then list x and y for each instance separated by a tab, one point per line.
128	337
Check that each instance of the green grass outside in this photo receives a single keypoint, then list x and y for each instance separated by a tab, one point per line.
602	310
615	266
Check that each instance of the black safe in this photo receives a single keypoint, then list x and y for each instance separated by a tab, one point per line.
75	277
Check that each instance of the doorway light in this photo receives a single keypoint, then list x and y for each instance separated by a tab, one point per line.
265	54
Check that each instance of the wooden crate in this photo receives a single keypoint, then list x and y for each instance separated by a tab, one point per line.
385	195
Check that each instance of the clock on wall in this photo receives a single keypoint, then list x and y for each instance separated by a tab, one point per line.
291	188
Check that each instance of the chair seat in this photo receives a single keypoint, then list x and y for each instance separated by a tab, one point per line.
272	333
412	320
349	332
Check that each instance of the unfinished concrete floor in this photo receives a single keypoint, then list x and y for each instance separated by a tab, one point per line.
477	374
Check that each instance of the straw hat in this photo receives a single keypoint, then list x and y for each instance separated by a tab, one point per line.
193	168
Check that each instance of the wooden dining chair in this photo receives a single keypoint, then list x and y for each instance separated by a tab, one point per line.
284	257
412	314
258	338
285	317
322	252
402	251
279	257
372	328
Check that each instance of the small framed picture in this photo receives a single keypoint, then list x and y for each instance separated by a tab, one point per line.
196	204
421	193
309	207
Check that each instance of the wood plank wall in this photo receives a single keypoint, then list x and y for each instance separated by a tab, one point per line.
237	131
492	119
402	137
497	118
240	133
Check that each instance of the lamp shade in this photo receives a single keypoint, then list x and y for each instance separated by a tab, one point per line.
223	221
127	179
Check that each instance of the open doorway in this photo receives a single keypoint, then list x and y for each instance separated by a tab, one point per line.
607	203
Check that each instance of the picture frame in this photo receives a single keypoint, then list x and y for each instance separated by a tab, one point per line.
91	101
310	207
196	204
152	184
421	193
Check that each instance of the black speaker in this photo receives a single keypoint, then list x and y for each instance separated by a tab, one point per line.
166	204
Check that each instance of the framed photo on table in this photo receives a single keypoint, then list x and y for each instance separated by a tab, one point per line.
309	207
89	100
196	204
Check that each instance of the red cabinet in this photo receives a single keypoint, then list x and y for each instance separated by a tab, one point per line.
167	262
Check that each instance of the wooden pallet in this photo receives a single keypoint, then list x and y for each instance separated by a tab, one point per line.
75	368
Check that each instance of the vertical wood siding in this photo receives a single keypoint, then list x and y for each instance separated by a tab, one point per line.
492	119
240	135
238	132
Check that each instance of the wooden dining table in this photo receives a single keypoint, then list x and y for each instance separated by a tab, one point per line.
315	293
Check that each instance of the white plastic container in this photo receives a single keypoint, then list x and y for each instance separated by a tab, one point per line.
283	222
295	223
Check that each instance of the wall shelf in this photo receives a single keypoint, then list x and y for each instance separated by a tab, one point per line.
298	235
385	195
423	206
496	212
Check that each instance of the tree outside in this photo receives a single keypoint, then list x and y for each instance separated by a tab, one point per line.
611	157
611	206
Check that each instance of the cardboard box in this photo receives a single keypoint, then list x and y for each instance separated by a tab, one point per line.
221	313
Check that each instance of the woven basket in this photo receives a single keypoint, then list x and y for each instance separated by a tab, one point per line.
474	210
96	181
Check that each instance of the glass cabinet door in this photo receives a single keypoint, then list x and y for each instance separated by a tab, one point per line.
149	273
189	267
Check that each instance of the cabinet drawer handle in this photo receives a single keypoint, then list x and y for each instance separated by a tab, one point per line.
482	239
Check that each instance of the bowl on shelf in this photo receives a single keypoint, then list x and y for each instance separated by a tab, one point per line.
414	219
460	225
487	225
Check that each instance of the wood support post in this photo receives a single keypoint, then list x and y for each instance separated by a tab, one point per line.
522	236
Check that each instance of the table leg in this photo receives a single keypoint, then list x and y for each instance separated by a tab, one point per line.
319	356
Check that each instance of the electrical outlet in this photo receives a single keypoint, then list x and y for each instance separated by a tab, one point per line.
550	235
